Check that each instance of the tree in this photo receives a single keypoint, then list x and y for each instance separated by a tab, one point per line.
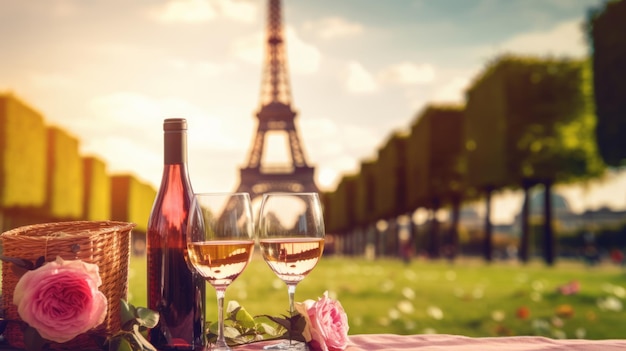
546	117
365	215
485	136
390	191
437	137
605	32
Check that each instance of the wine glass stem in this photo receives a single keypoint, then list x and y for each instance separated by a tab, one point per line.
221	341
291	290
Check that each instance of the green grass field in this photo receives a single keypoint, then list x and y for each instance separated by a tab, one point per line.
467	297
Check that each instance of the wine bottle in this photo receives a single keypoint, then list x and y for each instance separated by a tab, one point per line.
175	290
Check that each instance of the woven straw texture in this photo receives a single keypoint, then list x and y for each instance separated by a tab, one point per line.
105	243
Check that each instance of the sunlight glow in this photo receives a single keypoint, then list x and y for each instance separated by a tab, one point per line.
185	11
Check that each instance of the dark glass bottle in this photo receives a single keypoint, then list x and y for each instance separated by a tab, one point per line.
174	290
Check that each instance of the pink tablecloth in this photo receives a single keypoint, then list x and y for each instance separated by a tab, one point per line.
438	342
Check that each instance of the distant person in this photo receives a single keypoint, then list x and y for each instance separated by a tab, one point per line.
591	255
617	257
407	252
449	252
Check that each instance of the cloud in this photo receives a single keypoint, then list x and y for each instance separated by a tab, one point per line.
240	11
126	115
302	57
117	50
203	68
416	98
319	127
326	177
452	91
64	8
322	133
197	11
111	147
130	112
564	39
125	129
189	11
118	107
330	172
359	80
408	73
249	48
333	27
337	141
339	147
51	80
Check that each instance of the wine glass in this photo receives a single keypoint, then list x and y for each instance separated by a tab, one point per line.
291	236
220	242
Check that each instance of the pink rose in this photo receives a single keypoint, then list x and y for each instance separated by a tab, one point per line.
326	324
61	299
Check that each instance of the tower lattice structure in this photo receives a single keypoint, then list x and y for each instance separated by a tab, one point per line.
276	115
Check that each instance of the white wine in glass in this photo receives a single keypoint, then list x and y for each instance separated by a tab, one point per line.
291	237
220	242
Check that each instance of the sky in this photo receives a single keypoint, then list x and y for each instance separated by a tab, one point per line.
109	72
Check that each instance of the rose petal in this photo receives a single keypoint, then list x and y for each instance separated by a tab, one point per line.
328	324
61	299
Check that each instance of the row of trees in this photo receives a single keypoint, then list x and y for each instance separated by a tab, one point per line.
44	177
525	122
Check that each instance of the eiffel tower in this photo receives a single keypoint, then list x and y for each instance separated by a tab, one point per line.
277	116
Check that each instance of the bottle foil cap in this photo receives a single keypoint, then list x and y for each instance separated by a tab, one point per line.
175	124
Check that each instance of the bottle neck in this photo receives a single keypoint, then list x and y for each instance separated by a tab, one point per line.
175	147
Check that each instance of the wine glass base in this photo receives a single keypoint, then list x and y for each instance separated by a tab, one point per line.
288	345
217	348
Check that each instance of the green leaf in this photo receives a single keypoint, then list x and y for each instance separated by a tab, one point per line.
20	262
134	341
147	317
231	333
40	262
127	311
269	330
213	328
232	314
123	345
20	266
232	307
284	322
244	318
298	325
145	344
241	328
128	341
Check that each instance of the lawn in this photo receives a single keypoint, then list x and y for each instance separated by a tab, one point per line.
467	297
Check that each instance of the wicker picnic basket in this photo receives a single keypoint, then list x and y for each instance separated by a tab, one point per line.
105	243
